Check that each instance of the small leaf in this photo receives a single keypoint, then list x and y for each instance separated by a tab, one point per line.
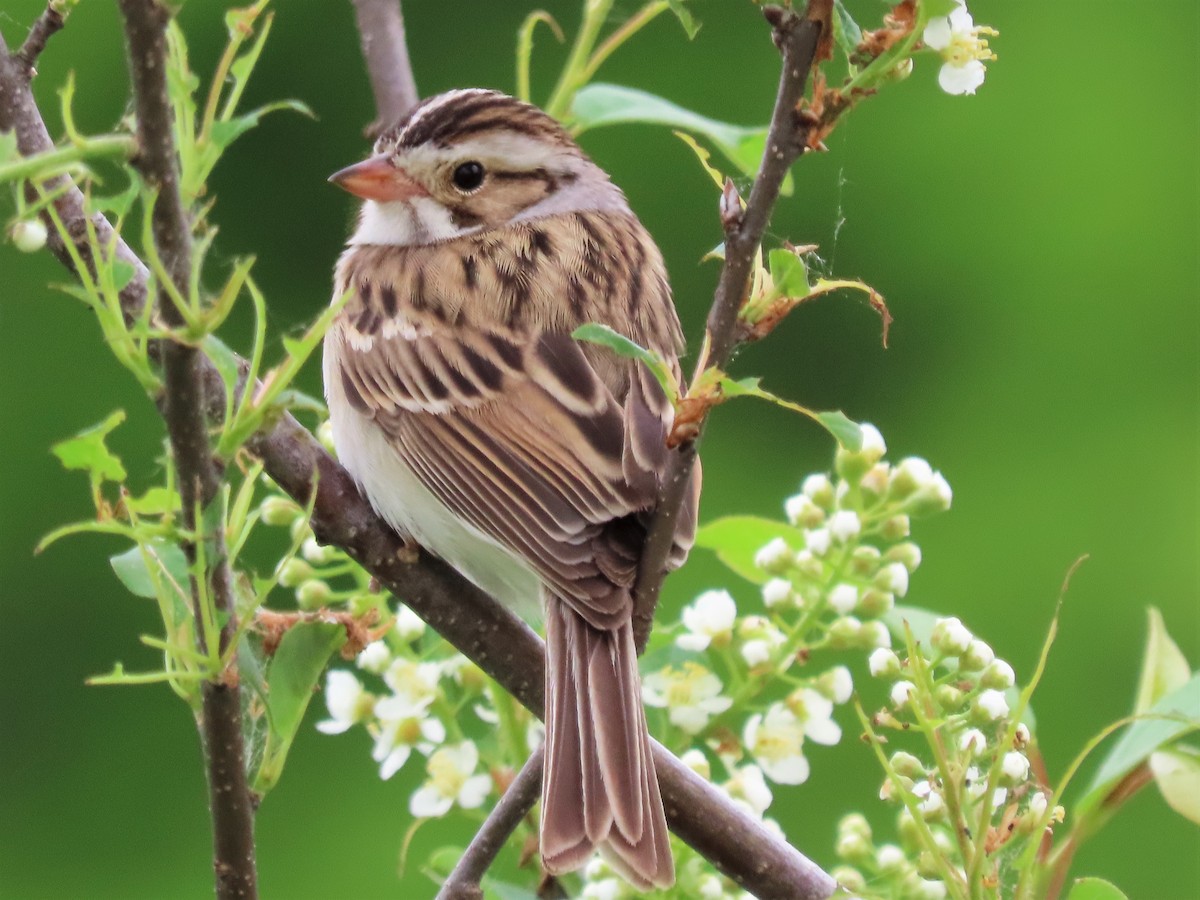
157	501
1095	889
88	452
291	678
845	30
122	274
789	273
596	333
1177	773
1164	667
737	540
1173	716
847	432
225	133
685	17
704	156
130	567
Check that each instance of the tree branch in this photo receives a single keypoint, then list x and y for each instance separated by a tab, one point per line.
487	633
385	50
187	429
798	38
49	23
518	800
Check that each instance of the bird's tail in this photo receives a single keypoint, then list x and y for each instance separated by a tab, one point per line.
599	788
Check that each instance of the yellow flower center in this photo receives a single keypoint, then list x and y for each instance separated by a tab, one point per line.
778	743
684	683
445	775
966	46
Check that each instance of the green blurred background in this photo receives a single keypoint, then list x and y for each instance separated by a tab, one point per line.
1037	243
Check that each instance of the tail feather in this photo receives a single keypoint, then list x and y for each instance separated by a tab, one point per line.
599	789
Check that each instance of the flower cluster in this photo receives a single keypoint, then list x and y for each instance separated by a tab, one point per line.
974	792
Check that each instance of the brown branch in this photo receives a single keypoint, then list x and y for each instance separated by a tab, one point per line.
47	25
798	38
487	633
518	800
187	428
385	50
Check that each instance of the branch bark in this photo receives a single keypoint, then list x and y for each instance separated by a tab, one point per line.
198	477
385	50
798	38
488	634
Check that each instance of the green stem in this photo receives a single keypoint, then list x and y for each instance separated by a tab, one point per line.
632	26
55	162
595	12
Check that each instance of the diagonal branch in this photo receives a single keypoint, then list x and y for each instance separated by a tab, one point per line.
798	38
187	429
491	636
385	50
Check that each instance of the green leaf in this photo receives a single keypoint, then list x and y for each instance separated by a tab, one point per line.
168	558
291	678
737	539
87	451
1177	774
847	432
500	890
597	105
157	501
789	273
1164	667
595	333
685	17
1095	889
226	132
845	30
1172	717
920	622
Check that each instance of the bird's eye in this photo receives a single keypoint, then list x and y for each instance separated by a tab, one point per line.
468	176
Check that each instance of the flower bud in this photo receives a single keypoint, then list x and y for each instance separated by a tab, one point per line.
1014	767
774	556
875	602
864	561
874	634
950	636
893	577
845	525
909	477
852	465
374	658
854	823
998	675
948	697
777	593
908	554
816	541
278	511
28	235
978	656
890	858
844	633
809	566
884	663
990	706
819	489
696	761
294	572
875	483
843	598
853	847
908	830
934	498
851	881
317	554
901	693
908	765
803	512
1021	736
325	436
836	684
313	594
972	742
895	528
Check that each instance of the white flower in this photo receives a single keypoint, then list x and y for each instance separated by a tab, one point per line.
690	693
845	525
403	726
843	598
695	760
893	577
998	674
1014	767
802	511
992	705
884	663
873	445
414	683
773	555
972	742
950	636
816	541
756	652
963	46
901	692
451	780
931	802
777	592
837	684
709	618
374	658
346	700
819	488
408	626
776	742
748	788
815	711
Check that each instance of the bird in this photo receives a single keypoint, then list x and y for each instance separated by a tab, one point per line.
480	429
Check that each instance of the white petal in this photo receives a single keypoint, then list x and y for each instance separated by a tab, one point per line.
472	794
333	726
692	641
433	730
823	731
937	33
789	770
961	21
427	803
962	79
690	718
716	704
394	762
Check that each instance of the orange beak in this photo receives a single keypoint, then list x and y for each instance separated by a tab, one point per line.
377	179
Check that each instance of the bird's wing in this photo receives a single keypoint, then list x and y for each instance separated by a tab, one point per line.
518	434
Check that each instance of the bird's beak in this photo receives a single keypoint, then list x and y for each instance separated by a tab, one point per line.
377	179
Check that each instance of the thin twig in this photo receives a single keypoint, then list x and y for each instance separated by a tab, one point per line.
487	633
47	25
385	50
518	800
798	38
187	428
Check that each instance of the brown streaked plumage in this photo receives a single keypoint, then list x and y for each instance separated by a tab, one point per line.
477	425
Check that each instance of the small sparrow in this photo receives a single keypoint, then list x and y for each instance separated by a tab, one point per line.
479	428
